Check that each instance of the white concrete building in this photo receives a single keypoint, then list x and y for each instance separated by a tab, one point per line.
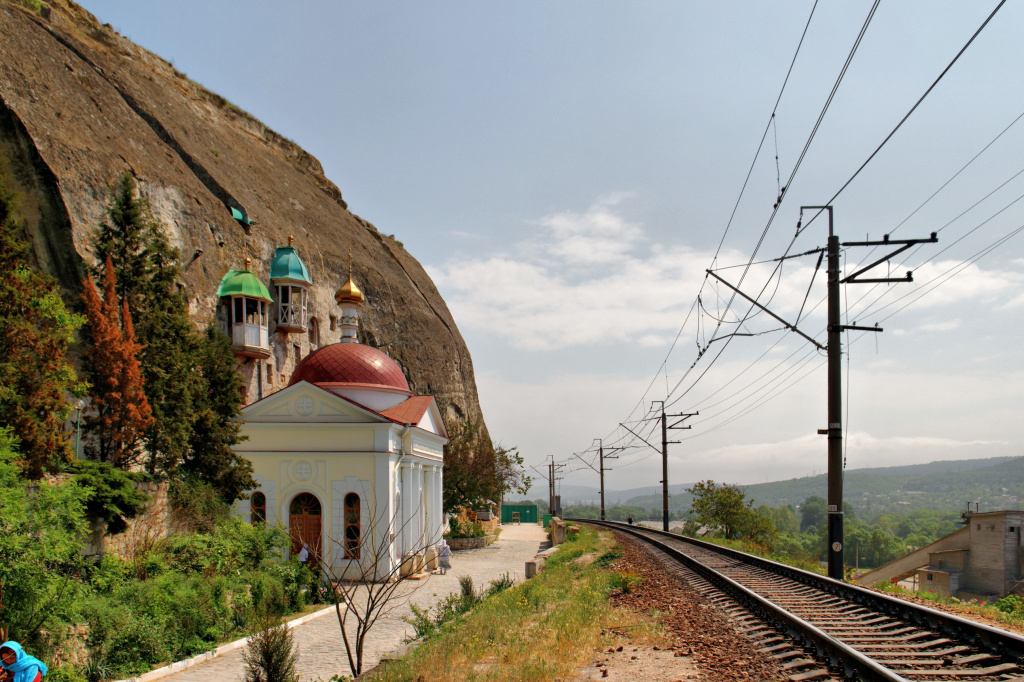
348	459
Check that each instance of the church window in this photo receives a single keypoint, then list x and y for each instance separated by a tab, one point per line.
258	508
239	315
270	373
298	352
353	526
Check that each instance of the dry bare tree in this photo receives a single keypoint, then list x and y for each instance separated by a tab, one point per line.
369	572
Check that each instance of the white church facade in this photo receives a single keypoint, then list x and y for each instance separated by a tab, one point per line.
347	458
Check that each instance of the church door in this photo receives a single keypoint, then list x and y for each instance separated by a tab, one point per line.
304	525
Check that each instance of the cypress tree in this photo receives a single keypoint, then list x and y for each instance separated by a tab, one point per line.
36	330
215	430
121	412
148	268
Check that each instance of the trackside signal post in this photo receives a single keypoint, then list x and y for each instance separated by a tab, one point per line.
834	351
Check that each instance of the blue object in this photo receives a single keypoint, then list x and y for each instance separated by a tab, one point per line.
25	667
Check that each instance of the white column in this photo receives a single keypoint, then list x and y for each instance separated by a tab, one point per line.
420	509
407	517
436	515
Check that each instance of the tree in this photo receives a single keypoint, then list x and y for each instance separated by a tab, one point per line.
727	508
210	456
147	272
120	410
813	513
190	379
36	330
783	517
373	586
476	471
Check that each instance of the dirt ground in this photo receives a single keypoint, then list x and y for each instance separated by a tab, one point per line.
704	646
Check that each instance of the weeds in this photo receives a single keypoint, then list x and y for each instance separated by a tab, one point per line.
541	629
626	581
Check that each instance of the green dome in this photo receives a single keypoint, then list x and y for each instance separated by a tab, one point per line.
288	265
243	283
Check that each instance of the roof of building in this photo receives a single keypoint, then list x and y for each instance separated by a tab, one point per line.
350	363
410	411
288	265
243	283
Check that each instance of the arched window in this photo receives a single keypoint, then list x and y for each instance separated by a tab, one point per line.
258	508
314	334
353	526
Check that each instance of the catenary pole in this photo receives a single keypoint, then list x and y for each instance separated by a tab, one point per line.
835	410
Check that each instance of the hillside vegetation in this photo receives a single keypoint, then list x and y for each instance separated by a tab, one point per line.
995	483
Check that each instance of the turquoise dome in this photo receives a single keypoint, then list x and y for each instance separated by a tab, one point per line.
288	265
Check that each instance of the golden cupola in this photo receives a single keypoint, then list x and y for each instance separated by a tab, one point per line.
350	298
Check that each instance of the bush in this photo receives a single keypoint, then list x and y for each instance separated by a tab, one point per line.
1011	603
500	584
270	656
625	580
461	528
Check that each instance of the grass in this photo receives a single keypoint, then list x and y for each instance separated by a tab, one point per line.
543	629
806	563
1009	610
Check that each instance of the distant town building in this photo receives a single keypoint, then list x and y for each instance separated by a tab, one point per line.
984	560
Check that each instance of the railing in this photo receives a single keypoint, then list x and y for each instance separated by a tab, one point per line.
253	335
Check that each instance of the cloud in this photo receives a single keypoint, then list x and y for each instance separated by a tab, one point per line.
593	276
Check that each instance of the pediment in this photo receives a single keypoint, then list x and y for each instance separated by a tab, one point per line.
305	402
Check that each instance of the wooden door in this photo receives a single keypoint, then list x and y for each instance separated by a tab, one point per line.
304	526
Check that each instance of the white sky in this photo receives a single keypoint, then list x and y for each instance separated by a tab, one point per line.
565	171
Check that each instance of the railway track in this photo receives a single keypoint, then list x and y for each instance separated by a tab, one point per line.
823	629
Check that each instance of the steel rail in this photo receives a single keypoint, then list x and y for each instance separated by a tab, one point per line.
850	663
993	640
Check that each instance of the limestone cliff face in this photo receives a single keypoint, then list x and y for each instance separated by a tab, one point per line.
79	105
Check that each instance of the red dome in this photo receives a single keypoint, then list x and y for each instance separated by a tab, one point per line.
350	363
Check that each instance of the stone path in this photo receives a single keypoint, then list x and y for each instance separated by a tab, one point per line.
319	643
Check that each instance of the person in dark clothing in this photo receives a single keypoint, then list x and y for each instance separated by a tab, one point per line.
630	520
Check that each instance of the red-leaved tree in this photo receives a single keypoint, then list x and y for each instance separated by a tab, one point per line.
120	412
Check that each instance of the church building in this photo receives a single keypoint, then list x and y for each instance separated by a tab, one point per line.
346	456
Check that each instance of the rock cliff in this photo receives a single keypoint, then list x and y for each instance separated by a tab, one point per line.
79	105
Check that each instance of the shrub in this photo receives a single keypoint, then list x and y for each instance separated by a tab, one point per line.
270	656
500	584
1011	603
625	580
461	528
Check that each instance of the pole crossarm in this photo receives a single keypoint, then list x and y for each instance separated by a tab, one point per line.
788	326
577	456
641	438
683	417
906	244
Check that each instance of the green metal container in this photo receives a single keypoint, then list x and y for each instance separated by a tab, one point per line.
527	512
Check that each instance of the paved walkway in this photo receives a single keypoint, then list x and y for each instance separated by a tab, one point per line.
319	643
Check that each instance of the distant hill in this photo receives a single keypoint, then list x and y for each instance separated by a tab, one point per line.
995	483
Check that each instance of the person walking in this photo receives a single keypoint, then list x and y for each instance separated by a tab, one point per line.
18	666
444	555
